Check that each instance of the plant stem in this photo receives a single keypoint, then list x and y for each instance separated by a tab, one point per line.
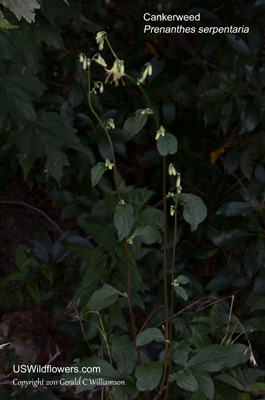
164	244
103	332
107	134
165	277
110	47
119	198
172	291
129	299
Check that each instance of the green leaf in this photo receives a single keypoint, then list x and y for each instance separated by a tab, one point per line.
94	272
205	382
194	211
231	381
238	44
22	8
76	94
103	298
124	354
169	111
227	238
21	259
249	117
150	335
133	125
231	161
185	380
199	396
123	220
182	280
167	144
257	387
34	291
148	234
97	172
17	91
154	217
148	375
46	136
216	357
235	209
4	24
181	292
122	392
97	368
46	271
246	164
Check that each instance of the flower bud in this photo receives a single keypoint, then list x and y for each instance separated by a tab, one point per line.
172	211
160	133
82	57
100	36
110	124
149	69
108	164
172	170
147	111
97	57
85	64
178	183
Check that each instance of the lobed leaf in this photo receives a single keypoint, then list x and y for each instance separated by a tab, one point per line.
22	8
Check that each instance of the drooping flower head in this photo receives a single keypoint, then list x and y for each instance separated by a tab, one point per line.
116	72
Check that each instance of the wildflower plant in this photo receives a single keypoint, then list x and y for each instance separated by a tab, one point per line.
133	227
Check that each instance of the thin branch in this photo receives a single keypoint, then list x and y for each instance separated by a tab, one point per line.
22	203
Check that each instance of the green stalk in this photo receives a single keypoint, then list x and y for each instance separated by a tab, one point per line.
164	245
107	134
110	47
165	276
119	198
103	332
172	291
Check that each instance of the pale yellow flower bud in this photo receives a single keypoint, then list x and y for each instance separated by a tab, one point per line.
172	170
160	133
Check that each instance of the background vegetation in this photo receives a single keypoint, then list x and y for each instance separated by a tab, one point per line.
58	241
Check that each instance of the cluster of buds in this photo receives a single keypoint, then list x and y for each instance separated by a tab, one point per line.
110	124
172	210
116	72
147	70
130	239
147	111
98	85
85	60
108	164
160	133
101	36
